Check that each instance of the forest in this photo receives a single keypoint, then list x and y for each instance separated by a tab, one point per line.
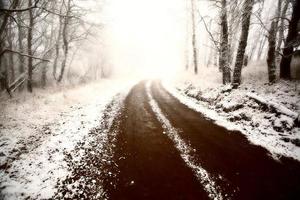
39	40
274	38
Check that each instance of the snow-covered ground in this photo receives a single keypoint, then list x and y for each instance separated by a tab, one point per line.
266	114
47	134
38	131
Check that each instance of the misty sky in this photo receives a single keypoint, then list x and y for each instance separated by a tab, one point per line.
145	36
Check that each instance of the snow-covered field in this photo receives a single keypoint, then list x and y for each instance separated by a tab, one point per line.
267	114
38	131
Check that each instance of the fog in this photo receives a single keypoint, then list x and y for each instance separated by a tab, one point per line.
152	39
145	38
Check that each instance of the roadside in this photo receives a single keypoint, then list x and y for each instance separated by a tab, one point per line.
267	114
235	168
38	132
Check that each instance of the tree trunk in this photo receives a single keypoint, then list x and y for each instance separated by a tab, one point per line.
233	6
48	55
224	63
288	50
187	46
11	55
65	42
57	47
21	67
4	75
194	41
281	29
271	53
247	9
57	43
29	47
186	52
44	75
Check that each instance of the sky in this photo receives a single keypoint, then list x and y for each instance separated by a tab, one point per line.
145	37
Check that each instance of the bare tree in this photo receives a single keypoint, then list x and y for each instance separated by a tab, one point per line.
29	47
233	24
246	16
271	58
187	42
194	39
224	50
271	53
30	33
65	39
4	76
282	19
20	43
58	41
288	50
48	49
10	38
3	28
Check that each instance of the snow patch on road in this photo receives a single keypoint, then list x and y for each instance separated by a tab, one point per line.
184	149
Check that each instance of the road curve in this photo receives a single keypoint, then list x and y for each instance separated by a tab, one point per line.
151	166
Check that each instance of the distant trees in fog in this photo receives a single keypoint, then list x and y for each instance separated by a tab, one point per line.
35	39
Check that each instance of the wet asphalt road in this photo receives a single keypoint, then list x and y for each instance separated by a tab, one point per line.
149	166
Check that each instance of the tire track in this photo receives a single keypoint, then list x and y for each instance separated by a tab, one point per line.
185	150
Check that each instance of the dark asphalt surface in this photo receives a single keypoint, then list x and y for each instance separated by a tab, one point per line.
150	167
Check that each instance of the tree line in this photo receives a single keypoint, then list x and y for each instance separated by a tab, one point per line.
281	33
37	41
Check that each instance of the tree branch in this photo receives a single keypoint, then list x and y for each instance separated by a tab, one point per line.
208	31
21	9
22	54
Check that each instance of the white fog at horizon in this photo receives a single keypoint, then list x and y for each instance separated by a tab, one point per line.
146	38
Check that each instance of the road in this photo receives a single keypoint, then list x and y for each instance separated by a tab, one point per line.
154	164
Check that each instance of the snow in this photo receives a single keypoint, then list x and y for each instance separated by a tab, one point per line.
266	114
185	150
95	152
277	106
38	131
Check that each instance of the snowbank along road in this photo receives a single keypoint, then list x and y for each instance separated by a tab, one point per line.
164	150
